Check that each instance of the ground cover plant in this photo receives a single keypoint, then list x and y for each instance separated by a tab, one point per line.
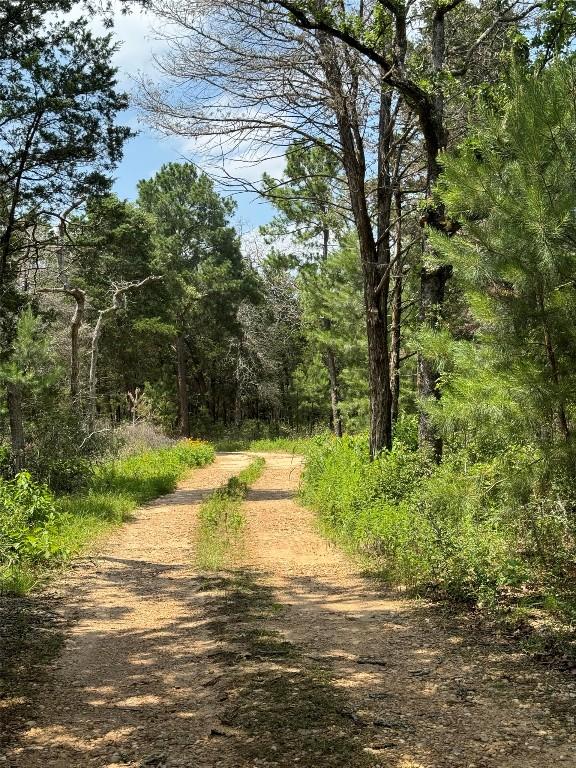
39	530
460	530
222	520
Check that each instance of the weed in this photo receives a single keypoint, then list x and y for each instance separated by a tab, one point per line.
39	531
221	518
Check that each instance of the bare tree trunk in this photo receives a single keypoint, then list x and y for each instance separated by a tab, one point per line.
432	287
14	402
75	325
396	314
93	374
183	400
334	392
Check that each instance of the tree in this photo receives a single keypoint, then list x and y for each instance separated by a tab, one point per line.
30	367
351	65
199	256
58	141
58	135
331	298
118	293
307	199
511	185
327	102
269	345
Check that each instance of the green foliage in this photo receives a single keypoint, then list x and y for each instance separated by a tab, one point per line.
38	530
205	280
28	520
333	318
449	527
306	196
511	184
30	365
221	518
58	135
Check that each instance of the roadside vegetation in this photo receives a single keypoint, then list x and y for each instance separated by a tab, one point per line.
40	531
413	292
296	445
467	532
222	520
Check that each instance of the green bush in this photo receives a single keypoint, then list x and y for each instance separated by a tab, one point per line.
28	519
39	529
426	526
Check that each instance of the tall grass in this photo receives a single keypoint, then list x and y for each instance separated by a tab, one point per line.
222	520
74	521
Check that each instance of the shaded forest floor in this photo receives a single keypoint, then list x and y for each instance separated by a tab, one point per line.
288	656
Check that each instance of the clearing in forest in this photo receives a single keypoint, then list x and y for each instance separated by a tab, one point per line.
286	656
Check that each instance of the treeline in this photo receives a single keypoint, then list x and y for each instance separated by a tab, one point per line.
418	282
113	311
428	196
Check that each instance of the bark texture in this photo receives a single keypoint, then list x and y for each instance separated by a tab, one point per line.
17	439
183	400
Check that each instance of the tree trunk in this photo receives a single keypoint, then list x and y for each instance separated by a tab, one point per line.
183	401
396	318
75	325
373	255
93	375
432	288
334	391
14	402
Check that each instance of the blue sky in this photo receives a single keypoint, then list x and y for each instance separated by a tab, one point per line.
147	152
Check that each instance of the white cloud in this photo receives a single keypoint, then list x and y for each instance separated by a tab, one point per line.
229	160
137	42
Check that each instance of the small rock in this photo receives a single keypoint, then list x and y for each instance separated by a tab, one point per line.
154	760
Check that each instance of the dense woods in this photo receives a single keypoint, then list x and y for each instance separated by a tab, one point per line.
411	303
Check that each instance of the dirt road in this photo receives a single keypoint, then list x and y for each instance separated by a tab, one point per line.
289	657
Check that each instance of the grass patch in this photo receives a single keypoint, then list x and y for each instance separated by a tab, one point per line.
222	520
73	521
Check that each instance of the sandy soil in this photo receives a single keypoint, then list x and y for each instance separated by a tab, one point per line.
289	657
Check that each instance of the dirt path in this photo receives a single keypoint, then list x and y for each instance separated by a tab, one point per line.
288	658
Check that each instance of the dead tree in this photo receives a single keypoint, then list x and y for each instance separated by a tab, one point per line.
119	292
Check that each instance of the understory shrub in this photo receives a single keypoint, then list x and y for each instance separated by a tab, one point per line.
467	530
28	520
38	529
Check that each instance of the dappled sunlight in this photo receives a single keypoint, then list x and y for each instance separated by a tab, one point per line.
275	661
